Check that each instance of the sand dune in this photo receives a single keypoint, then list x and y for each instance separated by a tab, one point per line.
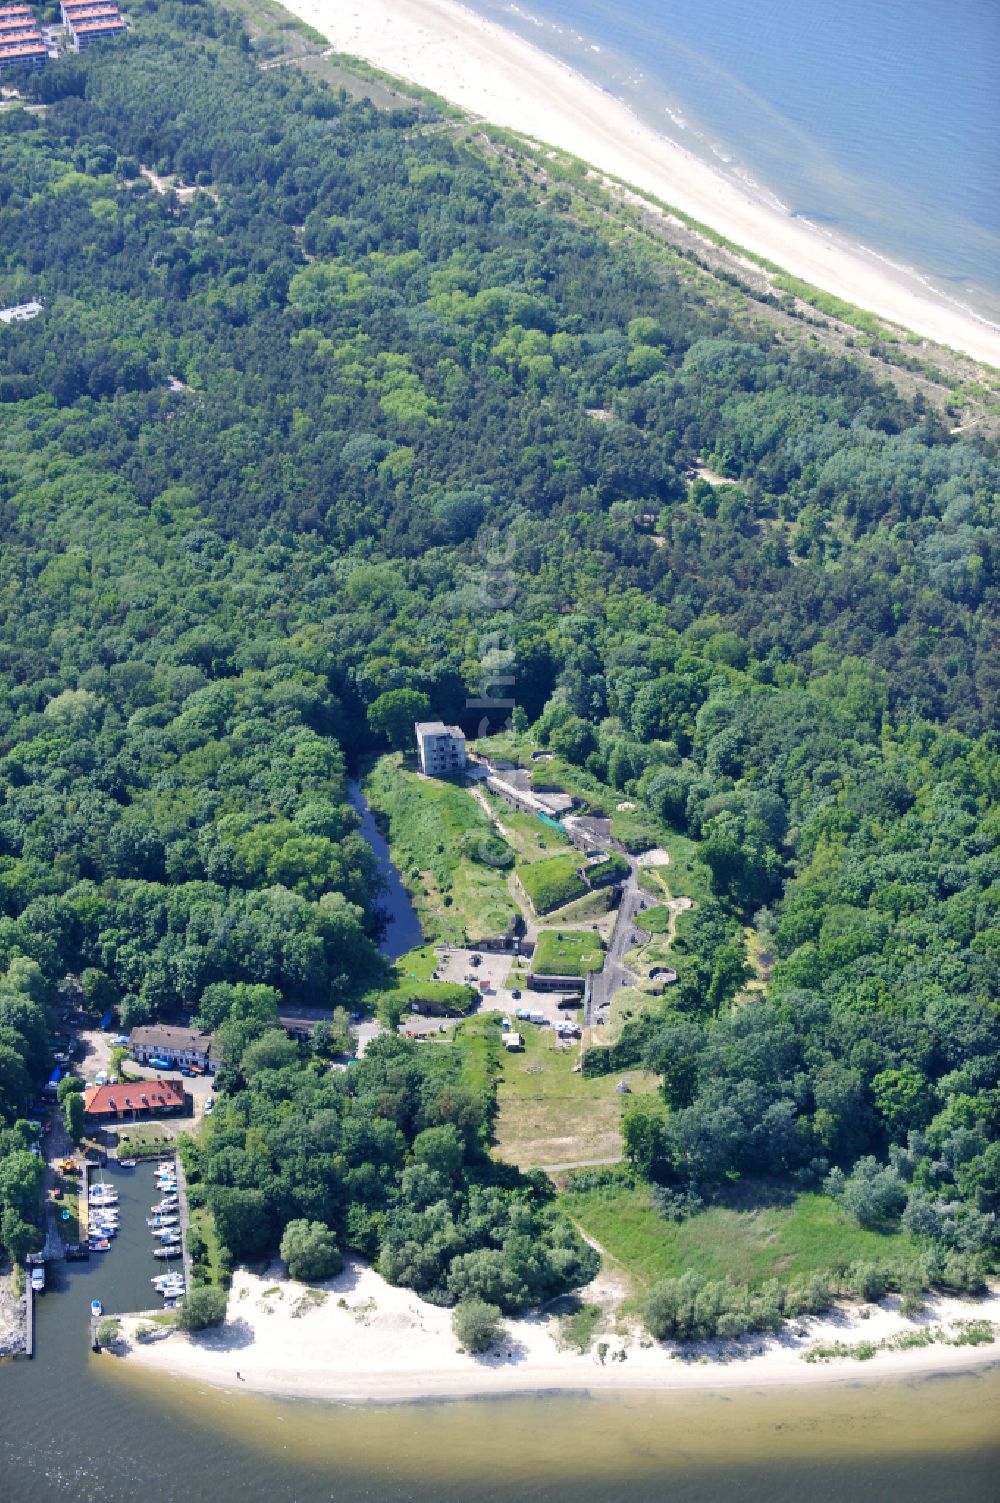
502	79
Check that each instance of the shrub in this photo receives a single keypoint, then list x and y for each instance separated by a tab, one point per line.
201	1308
872	1194
477	1325
309	1249
869	1281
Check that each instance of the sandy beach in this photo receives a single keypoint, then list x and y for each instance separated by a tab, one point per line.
504	80
357	1339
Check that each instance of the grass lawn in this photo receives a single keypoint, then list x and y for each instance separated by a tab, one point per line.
549	1115
567	952
553	882
810	1235
435	829
146	1140
203	1222
531	838
684	877
635	828
656	920
412	981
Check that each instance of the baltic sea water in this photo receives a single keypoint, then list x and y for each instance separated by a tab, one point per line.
877	119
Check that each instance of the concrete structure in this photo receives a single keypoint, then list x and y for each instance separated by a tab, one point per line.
590	832
300	1029
181	1046
553	805
542	983
134	1100
441	748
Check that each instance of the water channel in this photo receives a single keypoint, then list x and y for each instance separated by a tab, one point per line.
402	930
91	1427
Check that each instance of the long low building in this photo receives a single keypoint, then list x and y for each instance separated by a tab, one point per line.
30	54
178	1046
552	805
86	33
132	1100
21	44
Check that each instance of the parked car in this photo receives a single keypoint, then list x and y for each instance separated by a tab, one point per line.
209	1106
187	1070
475	960
515	992
158	1064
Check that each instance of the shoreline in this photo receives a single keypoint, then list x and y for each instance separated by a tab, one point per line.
497	76
358	1340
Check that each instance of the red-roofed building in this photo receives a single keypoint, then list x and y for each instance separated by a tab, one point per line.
16	23
7	12
95	10
86	33
24	55
134	1099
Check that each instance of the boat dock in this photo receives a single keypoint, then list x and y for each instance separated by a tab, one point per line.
83	1213
29	1317
185	1221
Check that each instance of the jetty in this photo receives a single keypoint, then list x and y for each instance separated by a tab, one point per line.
29	1318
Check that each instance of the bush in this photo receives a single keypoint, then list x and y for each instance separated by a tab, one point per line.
309	1249
477	1325
872	1195
693	1308
869	1281
201	1308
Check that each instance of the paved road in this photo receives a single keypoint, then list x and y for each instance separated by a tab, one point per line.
624	938
578	1164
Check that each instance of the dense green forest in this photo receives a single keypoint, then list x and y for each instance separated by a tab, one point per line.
254	457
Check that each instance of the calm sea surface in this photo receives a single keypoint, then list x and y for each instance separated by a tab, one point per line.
879	119
91	1429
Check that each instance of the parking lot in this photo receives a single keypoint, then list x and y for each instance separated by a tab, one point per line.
506	974
91	1057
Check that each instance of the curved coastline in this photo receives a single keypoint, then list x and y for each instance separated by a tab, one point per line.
499	77
359	1340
